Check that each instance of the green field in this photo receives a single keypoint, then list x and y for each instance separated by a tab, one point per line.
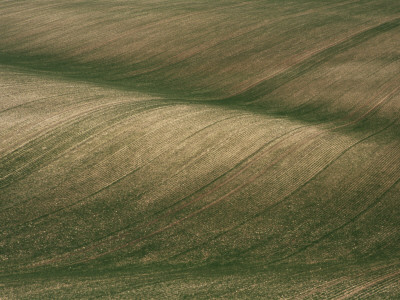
200	149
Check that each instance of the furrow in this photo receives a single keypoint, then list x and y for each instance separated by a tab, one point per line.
309	62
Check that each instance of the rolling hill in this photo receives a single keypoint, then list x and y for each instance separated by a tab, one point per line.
200	149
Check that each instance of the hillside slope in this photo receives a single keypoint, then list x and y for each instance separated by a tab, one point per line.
163	149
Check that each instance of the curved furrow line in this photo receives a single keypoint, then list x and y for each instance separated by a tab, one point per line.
229	179
56	151
369	284
330	49
337	287
314	103
287	196
169	66
128	144
319	288
383	89
324	7
313	293
230	294
260	159
33	101
177	202
113	125
338	208
37	129
350	221
308	62
245	91
212	125
104	160
372	110
205	207
364	116
242	162
52	134
196	159
225	196
192	52
112	235
61	125
378	287
373	288
245	184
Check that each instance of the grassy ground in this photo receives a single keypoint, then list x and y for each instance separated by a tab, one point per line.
229	149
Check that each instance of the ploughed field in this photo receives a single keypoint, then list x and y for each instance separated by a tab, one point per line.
200	149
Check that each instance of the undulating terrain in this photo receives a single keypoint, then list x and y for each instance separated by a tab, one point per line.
200	149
